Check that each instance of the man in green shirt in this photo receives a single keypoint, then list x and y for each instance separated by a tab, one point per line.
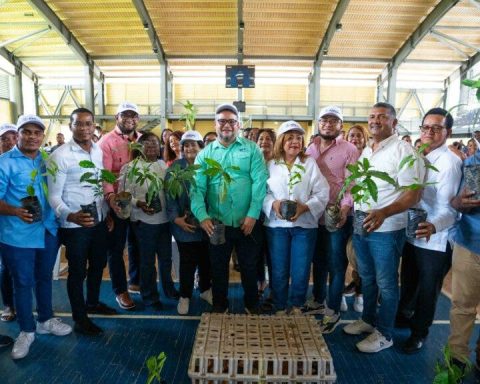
239	210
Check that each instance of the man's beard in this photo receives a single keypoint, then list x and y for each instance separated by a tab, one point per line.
327	137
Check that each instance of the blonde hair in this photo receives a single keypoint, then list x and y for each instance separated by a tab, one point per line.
278	151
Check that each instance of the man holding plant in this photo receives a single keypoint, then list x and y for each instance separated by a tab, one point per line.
378	252
85	239
330	257
239	210
29	248
427	258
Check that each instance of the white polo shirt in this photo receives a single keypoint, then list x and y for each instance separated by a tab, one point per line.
387	158
436	197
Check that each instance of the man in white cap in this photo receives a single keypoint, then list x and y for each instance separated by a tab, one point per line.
239	211
332	155
8	137
29	247
116	154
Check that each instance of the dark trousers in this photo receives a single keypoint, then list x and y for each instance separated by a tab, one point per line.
6	284
154	239
84	246
247	254
192	255
116	246
133	258
264	255
422	276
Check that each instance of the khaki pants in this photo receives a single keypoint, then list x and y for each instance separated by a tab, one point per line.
465	298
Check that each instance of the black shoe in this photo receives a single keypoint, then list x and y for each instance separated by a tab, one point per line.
172	293
254	310
101	309
349	290
401	321
460	364
217	309
5	341
87	327
413	344
157	306
236	267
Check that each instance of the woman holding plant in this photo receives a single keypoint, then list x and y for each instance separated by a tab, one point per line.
143	178
191	240
296	180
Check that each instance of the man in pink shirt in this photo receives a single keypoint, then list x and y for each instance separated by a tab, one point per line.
332	155
115	154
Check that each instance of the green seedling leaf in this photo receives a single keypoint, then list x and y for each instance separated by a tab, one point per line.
469	83
430	166
86	176
372	189
406	160
383	176
86	164
212	163
30	190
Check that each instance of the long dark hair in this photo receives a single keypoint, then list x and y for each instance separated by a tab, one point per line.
168	153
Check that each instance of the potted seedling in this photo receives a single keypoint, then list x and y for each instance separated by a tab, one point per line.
155	366
449	373
177	182
95	178
364	191
415	215
31	203
215	169
189	115
288	208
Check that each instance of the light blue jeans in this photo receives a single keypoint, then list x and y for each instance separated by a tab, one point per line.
378	257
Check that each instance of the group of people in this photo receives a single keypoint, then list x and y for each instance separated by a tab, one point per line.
270	195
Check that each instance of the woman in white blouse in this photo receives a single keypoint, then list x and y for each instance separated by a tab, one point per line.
293	176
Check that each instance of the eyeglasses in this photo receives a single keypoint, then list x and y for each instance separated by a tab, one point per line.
434	128
331	121
80	124
129	115
230	122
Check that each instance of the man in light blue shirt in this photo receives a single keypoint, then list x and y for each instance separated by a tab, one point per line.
239	210
85	238
29	247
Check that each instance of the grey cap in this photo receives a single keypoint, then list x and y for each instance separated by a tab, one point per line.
6	127
290	125
29	119
226	107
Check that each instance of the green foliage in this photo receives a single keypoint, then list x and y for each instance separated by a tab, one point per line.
48	167
215	169
447	372
189	115
409	161
295	174
155	365
178	178
362	175
475	84
139	173
96	177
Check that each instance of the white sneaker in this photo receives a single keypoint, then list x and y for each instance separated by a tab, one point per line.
358	304
374	343
343	305
22	345
207	296
358	327
313	307
55	326
183	305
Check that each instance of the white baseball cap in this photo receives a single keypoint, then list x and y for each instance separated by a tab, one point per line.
191	135
6	127
226	107
29	119
331	110
290	125
127	106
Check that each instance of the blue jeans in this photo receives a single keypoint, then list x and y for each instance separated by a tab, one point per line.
378	257
84	245
154	239
31	269
6	284
291	251
247	248
330	258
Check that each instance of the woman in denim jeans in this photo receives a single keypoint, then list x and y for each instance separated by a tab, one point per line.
152	232
292	242
191	240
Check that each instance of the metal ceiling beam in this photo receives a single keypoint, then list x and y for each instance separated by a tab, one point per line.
240	30
71	41
17	63
455	40
152	33
450	45
20	38
422	30
332	28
